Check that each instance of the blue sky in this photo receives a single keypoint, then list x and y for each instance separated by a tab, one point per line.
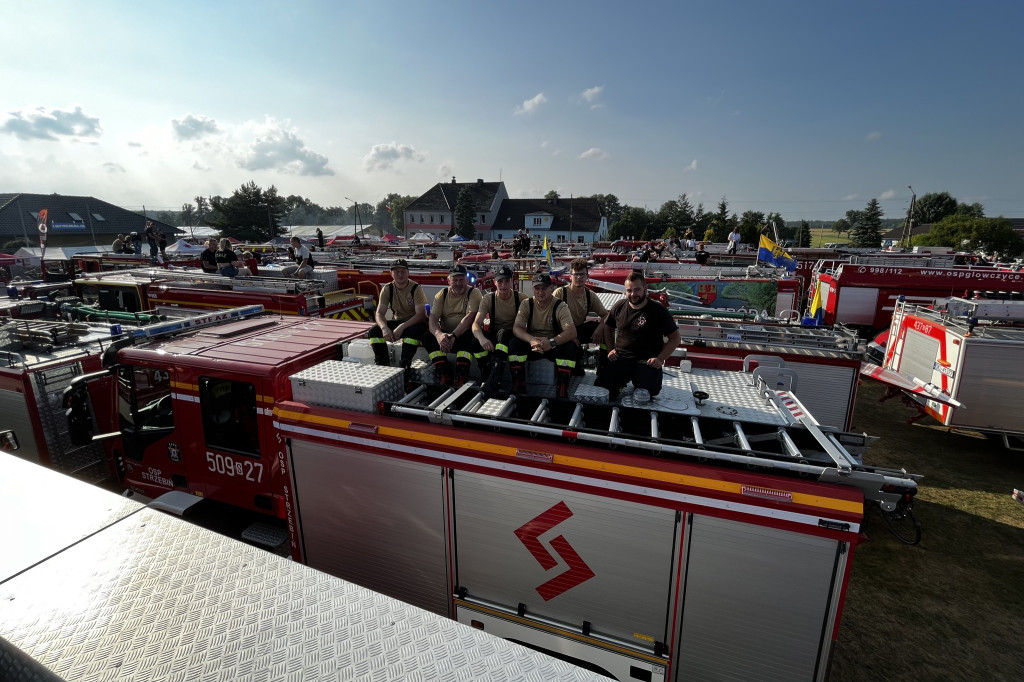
806	108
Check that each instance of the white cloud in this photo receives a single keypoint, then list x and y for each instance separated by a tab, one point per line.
591	94
887	194
199	167
593	153
48	125
530	105
193	127
384	156
873	136
445	171
134	144
850	197
278	148
692	166
112	167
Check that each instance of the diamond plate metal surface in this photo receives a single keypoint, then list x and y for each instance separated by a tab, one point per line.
154	598
347	385
733	397
34	528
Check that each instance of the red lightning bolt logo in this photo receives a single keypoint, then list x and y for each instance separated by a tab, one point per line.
529	534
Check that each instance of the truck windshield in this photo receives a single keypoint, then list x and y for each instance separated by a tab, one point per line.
229	415
144	398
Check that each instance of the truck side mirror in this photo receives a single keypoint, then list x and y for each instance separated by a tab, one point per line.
78	412
8	441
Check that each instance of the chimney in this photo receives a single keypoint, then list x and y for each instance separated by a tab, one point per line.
453	179
479	181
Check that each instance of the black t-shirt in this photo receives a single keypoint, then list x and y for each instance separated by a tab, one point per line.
640	332
702	257
225	257
208	259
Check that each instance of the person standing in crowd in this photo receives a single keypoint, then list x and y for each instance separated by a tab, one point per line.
303	267
162	241
492	329
227	259
151	239
320	238
584	303
702	256
208	258
449	325
408	305
543	330
734	240
640	348
137	243
118	244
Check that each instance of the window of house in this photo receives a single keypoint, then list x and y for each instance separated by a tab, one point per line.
537	221
499	237
483	219
579	239
431	218
98	217
75	216
421	218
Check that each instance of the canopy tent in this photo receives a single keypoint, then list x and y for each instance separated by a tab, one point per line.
421	237
392	238
182	246
458	238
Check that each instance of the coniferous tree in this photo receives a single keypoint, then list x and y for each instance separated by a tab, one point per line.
867	231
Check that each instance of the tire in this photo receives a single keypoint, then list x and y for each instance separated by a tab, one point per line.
903	524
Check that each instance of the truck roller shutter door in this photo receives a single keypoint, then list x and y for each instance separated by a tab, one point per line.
828	388
857	305
756	602
918	356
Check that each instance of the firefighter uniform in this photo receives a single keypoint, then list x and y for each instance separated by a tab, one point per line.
449	310
403	303
545	322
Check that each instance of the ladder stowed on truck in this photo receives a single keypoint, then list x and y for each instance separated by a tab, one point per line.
147	288
652	540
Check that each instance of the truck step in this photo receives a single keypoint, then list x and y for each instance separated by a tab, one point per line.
267	536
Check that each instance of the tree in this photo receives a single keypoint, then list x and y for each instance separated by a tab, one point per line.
962	232
465	213
610	207
720	223
684	213
867	232
250	213
187	215
803	234
841	225
974	210
632	224
390	212
750	226
933	207
552	195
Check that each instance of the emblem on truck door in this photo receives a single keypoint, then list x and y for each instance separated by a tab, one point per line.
529	534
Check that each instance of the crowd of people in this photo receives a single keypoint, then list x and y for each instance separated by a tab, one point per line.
504	330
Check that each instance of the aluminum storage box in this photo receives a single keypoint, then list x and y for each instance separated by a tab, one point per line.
348	385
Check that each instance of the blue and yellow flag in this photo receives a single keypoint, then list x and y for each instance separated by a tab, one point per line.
546	253
770	252
817	311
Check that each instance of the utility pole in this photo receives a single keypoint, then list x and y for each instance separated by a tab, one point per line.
908	225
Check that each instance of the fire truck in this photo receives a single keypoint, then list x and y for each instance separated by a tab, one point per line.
146	289
38	360
753	289
970	353
863	291
650	540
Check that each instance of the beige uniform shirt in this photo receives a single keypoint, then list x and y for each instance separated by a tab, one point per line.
578	304
403	302
543	324
504	311
451	309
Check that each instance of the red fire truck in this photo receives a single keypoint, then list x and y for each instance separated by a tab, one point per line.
863	292
652	541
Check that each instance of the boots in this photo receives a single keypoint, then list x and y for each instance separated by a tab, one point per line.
518	372
562	378
443	371
461	371
381	354
494	378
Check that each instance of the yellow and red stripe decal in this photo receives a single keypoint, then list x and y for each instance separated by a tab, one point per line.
581	463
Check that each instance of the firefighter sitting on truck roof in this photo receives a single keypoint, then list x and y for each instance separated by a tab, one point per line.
640	346
450	322
408	305
498	309
303	267
583	303
543	330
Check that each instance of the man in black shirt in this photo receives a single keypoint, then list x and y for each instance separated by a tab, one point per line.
208	258
701	256
640	346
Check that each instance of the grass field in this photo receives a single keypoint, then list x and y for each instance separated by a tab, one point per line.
951	608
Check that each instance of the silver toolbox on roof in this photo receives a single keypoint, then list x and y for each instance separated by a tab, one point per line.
348	385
